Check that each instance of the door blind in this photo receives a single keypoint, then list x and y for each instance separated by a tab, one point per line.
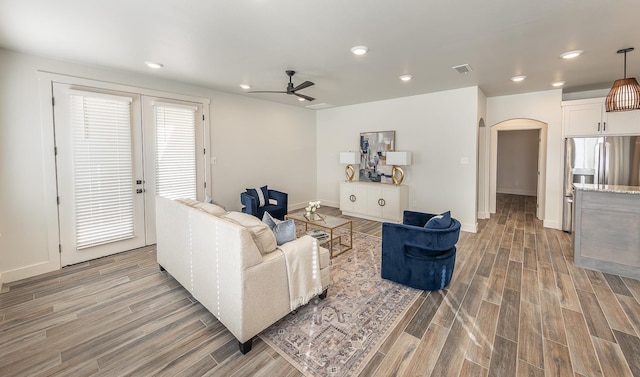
175	151
103	172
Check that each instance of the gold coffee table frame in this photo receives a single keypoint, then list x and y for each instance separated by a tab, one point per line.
329	223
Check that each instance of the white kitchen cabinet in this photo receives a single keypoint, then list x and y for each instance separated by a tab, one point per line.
589	118
374	201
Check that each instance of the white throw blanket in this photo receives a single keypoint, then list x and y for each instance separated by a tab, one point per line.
303	272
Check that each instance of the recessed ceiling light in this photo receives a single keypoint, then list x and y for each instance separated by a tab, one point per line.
245	86
571	54
406	77
518	78
558	83
154	65
359	50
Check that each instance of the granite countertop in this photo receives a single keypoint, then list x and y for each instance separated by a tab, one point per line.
608	188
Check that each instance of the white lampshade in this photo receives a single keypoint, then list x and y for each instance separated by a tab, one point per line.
399	158
349	158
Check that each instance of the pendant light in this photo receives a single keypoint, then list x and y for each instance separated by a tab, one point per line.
625	93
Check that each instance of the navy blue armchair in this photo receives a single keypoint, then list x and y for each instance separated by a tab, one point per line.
279	210
416	256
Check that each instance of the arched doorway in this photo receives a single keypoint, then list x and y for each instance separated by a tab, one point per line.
513	125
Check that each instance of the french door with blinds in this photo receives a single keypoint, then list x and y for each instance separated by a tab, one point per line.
115	152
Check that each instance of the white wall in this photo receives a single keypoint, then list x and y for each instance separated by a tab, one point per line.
256	142
438	128
544	107
517	162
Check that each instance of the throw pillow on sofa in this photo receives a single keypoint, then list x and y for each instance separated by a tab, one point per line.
284	231
263	236
261	195
442	221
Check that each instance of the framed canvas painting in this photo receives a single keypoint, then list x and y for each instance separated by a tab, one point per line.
373	155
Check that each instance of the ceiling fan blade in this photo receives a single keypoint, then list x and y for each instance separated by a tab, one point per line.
305	84
266	91
305	97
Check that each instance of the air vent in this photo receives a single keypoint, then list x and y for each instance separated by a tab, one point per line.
465	68
319	106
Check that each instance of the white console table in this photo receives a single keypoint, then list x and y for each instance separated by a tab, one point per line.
374	201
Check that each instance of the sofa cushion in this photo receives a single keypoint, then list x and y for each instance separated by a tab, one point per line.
442	221
284	231
261	195
263	236
212	209
187	201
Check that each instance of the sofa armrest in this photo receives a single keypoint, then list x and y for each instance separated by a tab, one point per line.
249	202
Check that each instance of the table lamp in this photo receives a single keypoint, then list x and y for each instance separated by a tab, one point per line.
398	159
349	158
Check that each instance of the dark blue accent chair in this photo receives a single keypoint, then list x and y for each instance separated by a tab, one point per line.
418	257
250	205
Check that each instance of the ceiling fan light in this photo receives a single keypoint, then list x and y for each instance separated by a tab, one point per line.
301	99
624	95
359	50
518	78
571	54
406	77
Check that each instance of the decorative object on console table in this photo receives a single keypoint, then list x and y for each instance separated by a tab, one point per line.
398	159
374	147
349	158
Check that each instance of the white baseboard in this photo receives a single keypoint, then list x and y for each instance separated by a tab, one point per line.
552	224
471	228
28	271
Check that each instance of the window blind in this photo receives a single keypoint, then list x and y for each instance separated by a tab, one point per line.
103	170
175	151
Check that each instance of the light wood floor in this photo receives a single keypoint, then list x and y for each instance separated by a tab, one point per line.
516	306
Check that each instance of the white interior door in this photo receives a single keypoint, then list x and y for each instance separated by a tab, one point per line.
99	172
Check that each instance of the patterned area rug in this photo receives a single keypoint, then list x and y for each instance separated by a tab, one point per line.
339	335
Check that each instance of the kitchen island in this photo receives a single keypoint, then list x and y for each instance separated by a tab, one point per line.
606	234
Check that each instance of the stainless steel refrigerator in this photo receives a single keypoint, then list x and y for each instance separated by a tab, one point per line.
610	160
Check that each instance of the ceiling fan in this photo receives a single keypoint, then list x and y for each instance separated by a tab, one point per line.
290	88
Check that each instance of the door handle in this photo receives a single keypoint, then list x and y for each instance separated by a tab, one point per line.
381	202
598	126
604	126
352	198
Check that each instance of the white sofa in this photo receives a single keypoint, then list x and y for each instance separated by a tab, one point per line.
226	267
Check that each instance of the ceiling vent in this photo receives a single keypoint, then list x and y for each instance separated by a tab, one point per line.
465	68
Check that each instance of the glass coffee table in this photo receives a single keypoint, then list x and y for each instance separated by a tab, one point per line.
339	230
